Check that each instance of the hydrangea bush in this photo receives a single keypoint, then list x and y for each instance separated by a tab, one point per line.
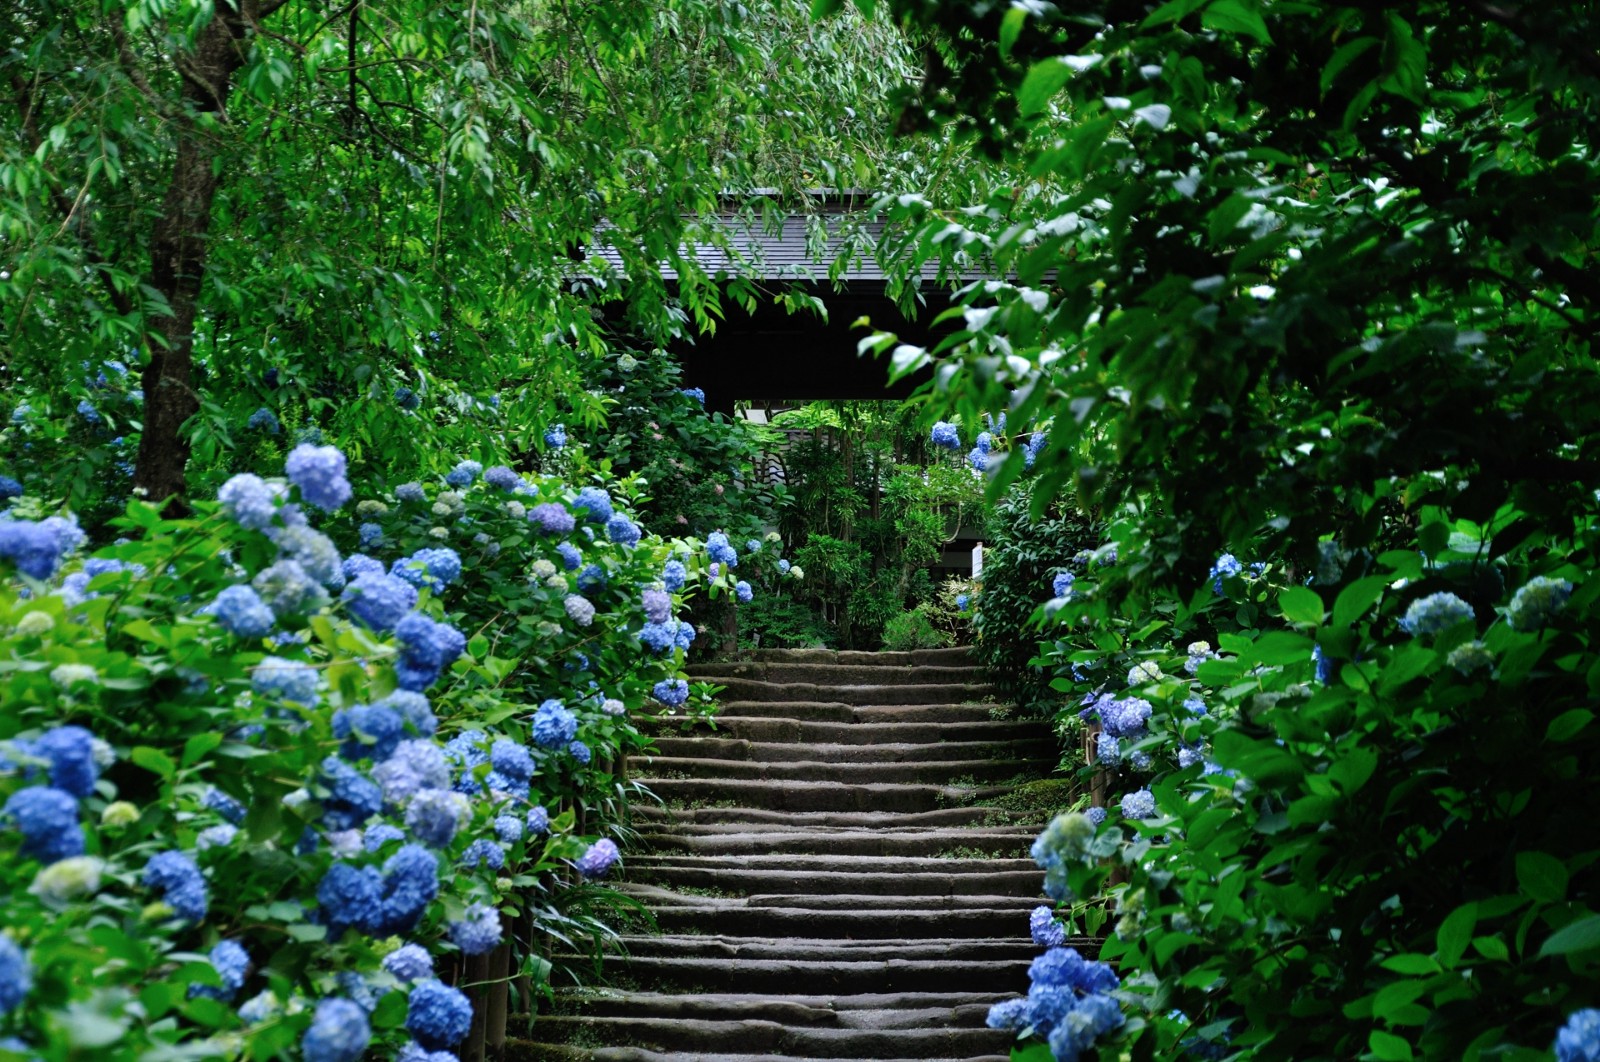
260	795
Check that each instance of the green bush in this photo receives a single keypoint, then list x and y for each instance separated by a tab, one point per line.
914	629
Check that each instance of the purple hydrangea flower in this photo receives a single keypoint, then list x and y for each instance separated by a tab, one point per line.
552	518
409	962
657	605
595	862
502	478
319	472
579	609
671	692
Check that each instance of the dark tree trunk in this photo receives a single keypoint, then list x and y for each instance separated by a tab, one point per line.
178	254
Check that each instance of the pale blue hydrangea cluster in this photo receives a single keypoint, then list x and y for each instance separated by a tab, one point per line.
1139	804
16	975
673	575
571	556
552	518
671	692
742	591
1069	1004
555	436
1579	1039
1537	601
438	1016
1435	613
594	504
1032	448
319	472
1226	567
553	725
410	492
379	601
657	605
431	567
946	436
339	1032
1061	584
183	888
38	548
1064	842
1470	657
502	478
579	609
598	858
477	931
720	551
622	531
232	964
1045	930
289	680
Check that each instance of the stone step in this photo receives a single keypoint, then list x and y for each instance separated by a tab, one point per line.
539	1051
858	921
703	1037
826	949
832	675
1039	748
817	796
836	710
974	817
745	689
779	976
954	657
933	907
729	839
939	772
775	729
845	1012
1025	880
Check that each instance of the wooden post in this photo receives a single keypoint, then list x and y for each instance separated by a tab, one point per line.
474	973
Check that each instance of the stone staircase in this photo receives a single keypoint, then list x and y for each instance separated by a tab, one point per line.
831	876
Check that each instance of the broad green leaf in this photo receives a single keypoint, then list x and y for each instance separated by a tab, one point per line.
1044	79
1300	605
1542	876
1389	1047
1236	16
1568	725
1346	54
1455	933
1582	935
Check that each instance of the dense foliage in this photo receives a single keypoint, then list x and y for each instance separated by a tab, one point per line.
260	793
1306	284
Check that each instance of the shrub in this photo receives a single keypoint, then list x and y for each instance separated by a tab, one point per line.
913	629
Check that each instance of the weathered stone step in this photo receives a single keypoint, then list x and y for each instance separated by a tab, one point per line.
935	771
730	839
745	689
834	710
778	976
539	1051
776	729
831	675
825	949
871	819
859	922
817	796
933	907
1023	881
795	1041
729	748
847	1012
805	862
909	658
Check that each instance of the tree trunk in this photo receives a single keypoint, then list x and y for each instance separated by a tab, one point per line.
178	254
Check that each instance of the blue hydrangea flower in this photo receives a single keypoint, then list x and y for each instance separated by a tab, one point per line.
719	550
686	633
353	798
657	605
414	709
233	966
658	637
1579	1038
622	531
962	601
371	535
289	679
508	828
580	752
410	884
1095	815
696	393
478	931
1061	585
379	601
437	1015
1435	613
358	564
175	876
742	590
413	767
220	836
1009	1016
1226	567
673	575
409	962
1470	657
983	443
432	567
945	435
406	398
671	692
87	411
553	725
9	488
571	556
502	478
579	609
319	472
248	501
379	834
511	761
538	821
48	820
434	815
485	852
552	518
242	613
16	975
289	590
70	751
223	804
594	504
1538	600
31	547
1044	928
591	577
410	492
426	649
597	860
784	566
1139	804
339	1032
264	420
555	436
313	551
368	731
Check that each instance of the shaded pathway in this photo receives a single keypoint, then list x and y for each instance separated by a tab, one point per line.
832	877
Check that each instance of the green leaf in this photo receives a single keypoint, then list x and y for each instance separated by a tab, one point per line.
821	9
1455	933
1568	725
1300	605
1010	27
1346	54
1236	16
1044	79
1032	1053
1412	965
1354	600
1171	11
1491	948
1542	876
195	749
1582	935
154	761
1389	1047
